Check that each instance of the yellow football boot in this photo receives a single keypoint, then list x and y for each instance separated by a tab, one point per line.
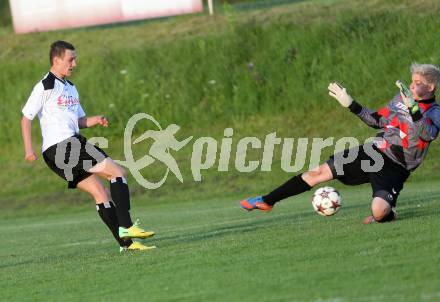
134	232
136	246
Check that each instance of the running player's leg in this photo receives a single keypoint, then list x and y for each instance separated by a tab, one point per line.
121	197
111	171
108	169
294	186
104	206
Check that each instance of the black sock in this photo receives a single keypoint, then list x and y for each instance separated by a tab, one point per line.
121	198
293	186
107	213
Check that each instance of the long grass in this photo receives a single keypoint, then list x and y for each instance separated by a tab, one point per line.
257	71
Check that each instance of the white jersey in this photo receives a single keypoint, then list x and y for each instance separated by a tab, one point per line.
56	102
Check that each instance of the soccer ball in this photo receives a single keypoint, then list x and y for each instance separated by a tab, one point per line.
326	201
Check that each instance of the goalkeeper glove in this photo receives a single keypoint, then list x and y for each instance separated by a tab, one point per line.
340	94
407	97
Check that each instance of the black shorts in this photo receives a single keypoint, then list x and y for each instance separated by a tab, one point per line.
386	183
72	158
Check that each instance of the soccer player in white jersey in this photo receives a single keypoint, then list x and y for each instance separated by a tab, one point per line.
55	101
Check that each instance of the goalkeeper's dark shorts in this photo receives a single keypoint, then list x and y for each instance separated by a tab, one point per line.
72	158
386	180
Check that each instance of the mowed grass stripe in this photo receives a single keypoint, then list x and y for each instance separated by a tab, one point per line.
290	254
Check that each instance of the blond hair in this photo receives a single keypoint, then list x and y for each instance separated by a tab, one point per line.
429	72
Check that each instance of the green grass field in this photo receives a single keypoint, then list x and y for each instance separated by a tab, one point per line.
195	71
258	67
210	250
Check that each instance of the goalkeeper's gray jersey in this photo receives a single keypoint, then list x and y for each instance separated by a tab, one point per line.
404	137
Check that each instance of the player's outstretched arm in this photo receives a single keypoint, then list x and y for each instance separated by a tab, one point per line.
338	92
368	116
87	122
26	125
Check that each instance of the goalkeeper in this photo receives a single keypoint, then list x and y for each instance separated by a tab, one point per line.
408	124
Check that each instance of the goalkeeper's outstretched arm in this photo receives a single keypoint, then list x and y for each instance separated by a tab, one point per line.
370	117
